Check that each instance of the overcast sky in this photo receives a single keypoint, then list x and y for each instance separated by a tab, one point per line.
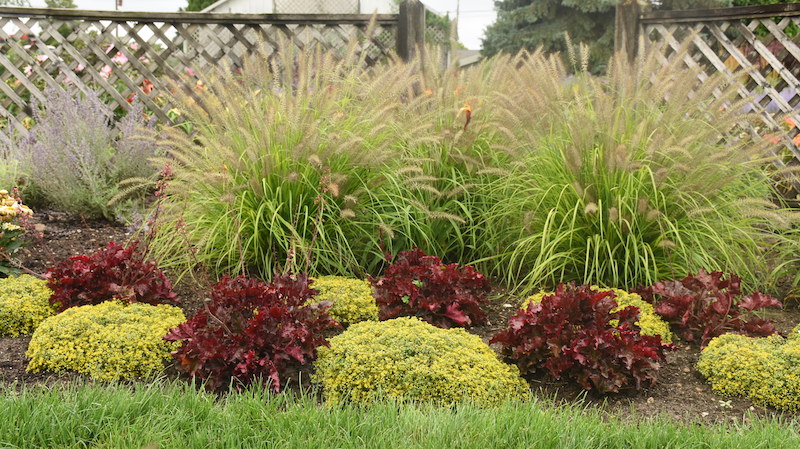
475	15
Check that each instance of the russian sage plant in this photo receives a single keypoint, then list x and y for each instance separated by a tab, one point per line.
75	155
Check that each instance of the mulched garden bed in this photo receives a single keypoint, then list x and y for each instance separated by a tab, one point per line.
681	393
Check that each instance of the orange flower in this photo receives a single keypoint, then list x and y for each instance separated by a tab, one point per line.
467	110
773	139
796	140
147	86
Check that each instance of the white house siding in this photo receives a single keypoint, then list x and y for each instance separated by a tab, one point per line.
381	6
243	7
305	6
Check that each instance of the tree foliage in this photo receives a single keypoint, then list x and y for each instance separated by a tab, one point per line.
199	5
532	24
60	3
543	23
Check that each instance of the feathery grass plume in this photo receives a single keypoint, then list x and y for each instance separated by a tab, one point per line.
649	145
277	149
309	152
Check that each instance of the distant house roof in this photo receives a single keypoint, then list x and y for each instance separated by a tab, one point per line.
213	7
468	57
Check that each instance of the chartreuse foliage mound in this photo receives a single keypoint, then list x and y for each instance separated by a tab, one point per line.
24	303
408	359
649	322
766	369
352	299
107	341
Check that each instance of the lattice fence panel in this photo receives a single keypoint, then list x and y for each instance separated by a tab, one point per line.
764	52
127	54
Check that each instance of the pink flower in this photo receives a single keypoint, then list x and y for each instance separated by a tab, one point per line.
119	58
105	72
189	71
41	58
79	68
28	70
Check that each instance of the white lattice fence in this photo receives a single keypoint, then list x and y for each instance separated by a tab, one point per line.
125	54
761	44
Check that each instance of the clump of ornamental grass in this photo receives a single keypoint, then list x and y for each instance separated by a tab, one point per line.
283	152
311	160
629	178
74	158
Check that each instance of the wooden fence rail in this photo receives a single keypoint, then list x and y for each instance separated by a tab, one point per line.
760	43
122	54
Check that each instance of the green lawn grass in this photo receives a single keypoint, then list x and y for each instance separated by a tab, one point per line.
176	415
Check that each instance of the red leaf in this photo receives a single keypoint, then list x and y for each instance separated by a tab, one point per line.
420	285
251	330
757	301
707	305
569	334
98	277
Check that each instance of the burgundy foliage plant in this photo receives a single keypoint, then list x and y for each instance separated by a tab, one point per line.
251	331
113	272
570	334
422	286
705	306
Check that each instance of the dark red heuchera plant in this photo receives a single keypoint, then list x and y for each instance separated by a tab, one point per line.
422	286
569	334
706	306
252	331
113	272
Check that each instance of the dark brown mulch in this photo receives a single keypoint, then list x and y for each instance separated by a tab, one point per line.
681	393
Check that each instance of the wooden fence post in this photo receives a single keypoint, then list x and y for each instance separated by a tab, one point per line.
626	28
410	29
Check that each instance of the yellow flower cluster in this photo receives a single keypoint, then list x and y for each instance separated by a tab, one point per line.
352	299
649	322
10	208
408	359
24	304
107	341
766	370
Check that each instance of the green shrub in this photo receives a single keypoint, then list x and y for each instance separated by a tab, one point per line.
24	304
649	322
766	370
352	299
408	359
107	341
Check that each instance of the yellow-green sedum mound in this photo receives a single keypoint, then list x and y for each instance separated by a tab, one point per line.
649	322
766	370
24	304
408	359
352	299
107	341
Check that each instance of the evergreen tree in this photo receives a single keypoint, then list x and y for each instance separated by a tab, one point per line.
60	4
543	23
199	5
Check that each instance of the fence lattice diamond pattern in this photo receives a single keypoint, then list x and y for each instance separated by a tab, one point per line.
124	56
